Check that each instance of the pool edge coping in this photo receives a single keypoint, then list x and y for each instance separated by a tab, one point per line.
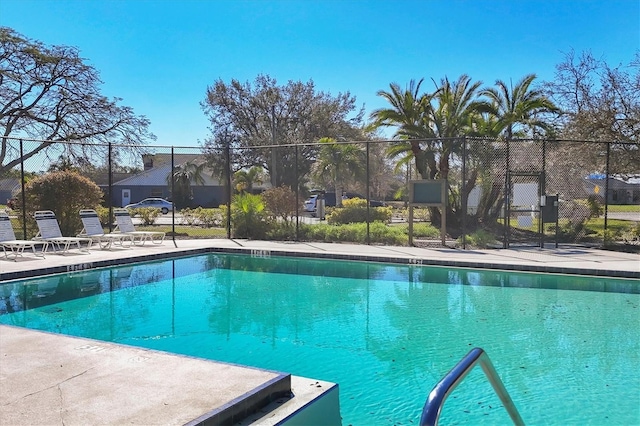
402	260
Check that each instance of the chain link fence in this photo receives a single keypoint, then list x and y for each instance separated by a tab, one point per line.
500	194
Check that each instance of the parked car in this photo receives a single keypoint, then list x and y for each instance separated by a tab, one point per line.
154	203
310	204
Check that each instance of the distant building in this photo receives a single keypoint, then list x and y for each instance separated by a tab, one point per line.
153	182
621	191
8	188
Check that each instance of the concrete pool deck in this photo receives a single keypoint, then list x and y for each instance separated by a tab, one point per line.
52	379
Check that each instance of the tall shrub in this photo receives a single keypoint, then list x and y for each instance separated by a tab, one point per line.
354	210
248	218
280	203
65	193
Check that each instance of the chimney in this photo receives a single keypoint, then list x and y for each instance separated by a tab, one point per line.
147	160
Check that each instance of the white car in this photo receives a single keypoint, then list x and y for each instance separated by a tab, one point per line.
310	204
153	203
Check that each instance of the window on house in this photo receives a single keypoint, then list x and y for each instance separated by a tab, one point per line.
156	193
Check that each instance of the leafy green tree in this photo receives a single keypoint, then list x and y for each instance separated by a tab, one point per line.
65	193
340	162
265	114
183	176
63	163
599	103
49	93
383	179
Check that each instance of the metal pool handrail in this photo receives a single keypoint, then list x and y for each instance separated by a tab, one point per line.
441	391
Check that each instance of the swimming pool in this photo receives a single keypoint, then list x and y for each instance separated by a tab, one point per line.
566	347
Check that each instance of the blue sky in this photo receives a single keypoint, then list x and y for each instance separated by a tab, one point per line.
160	55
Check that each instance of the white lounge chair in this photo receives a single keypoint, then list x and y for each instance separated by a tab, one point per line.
93	229
124	225
49	231
13	247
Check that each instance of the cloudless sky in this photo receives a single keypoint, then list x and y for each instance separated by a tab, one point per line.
159	56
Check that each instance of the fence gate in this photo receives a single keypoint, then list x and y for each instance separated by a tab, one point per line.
522	209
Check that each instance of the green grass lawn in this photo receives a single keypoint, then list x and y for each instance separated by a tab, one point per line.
613	225
624	208
187	231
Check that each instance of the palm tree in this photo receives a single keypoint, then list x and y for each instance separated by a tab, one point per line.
446	113
243	180
409	114
519	108
441	118
340	162
512	111
183	176
453	116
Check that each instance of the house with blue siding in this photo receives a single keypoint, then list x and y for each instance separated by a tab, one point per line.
154	180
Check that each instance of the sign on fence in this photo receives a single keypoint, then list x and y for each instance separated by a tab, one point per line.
428	193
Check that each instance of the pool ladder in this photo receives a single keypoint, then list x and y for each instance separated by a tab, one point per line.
441	391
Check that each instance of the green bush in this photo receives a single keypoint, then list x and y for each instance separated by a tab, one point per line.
281	231
479	239
65	193
379	233
207	218
631	235
354	210
384	234
248	218
595	207
423	230
280	203
103	214
611	236
147	215
188	217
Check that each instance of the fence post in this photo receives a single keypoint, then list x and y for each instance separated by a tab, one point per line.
368	196
274	160
606	192
110	187
505	241
173	202
543	192
297	194
24	197
227	154
465	195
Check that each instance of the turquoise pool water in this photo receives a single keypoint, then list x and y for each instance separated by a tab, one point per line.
566	347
